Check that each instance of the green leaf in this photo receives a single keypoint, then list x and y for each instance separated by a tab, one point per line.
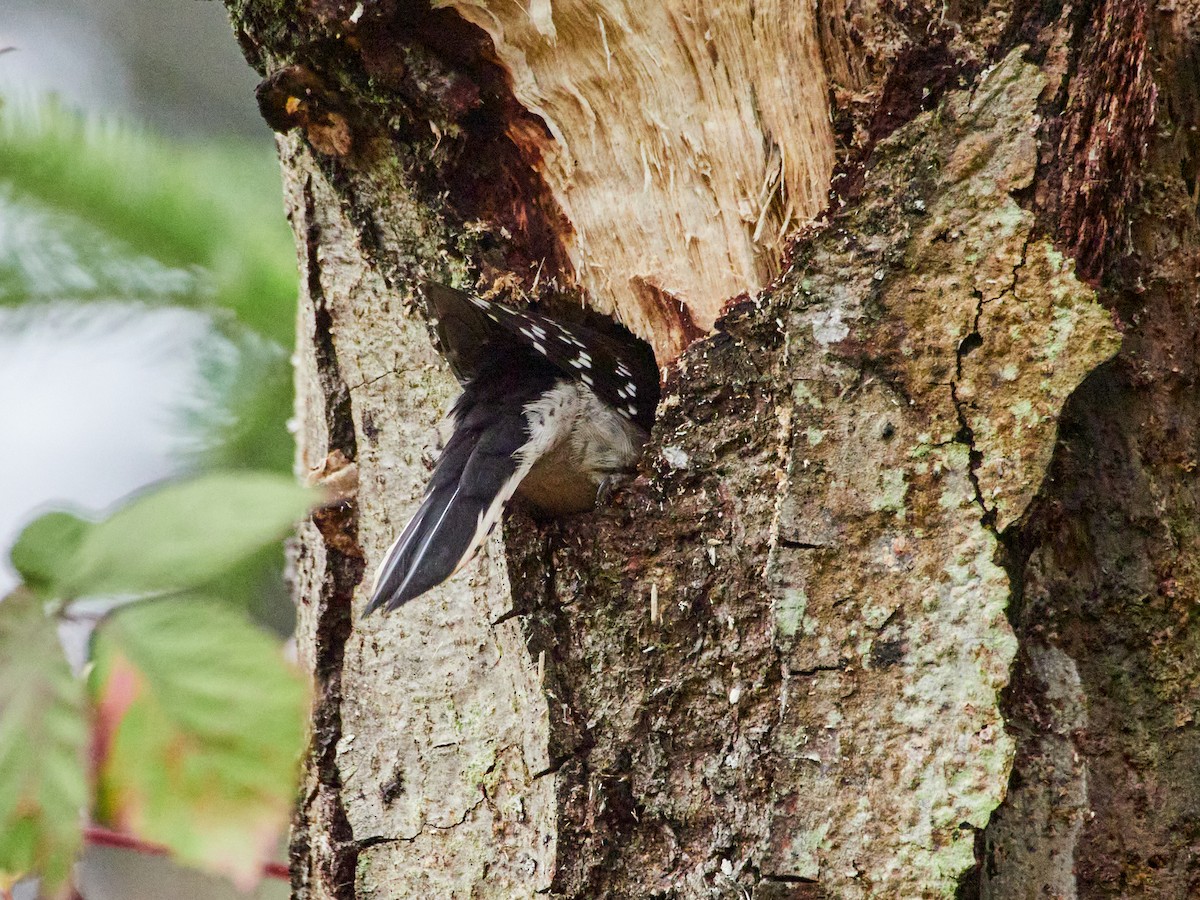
43	732
46	548
205	725
184	534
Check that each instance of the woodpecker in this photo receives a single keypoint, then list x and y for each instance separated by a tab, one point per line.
555	413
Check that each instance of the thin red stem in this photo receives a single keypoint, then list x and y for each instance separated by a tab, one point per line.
99	836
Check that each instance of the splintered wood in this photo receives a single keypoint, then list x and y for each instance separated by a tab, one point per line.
684	142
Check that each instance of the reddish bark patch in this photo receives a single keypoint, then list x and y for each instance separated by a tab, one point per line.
434	59
921	76
429	81
446	71
296	97
1097	146
670	319
918	80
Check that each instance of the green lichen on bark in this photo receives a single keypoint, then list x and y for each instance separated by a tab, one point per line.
1027	330
941	341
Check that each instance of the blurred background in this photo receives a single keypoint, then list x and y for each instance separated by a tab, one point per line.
147	290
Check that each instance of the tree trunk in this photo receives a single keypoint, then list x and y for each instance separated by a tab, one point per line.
901	603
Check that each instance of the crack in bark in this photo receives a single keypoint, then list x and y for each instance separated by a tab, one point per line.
788	879
426	826
966	435
840	666
323	807
382	839
555	766
786	414
367	382
791	544
970	343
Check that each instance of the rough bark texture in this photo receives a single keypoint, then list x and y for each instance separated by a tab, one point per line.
954	441
1105	691
428	726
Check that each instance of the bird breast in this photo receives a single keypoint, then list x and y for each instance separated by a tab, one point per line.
578	441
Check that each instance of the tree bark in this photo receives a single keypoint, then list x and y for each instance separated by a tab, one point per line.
900	604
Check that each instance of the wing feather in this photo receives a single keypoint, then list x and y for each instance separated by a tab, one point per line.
472	330
492	447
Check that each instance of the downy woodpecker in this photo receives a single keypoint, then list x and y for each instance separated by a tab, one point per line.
555	413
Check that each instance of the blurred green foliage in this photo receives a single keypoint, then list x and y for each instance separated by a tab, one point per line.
213	209
97	211
196	718
43	733
178	536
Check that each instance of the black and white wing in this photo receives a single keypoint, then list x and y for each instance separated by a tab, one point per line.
478	470
535	391
472	330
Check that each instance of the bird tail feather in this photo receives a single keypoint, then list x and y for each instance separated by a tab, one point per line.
477	473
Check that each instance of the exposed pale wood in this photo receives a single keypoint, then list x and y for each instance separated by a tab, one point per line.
686	142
